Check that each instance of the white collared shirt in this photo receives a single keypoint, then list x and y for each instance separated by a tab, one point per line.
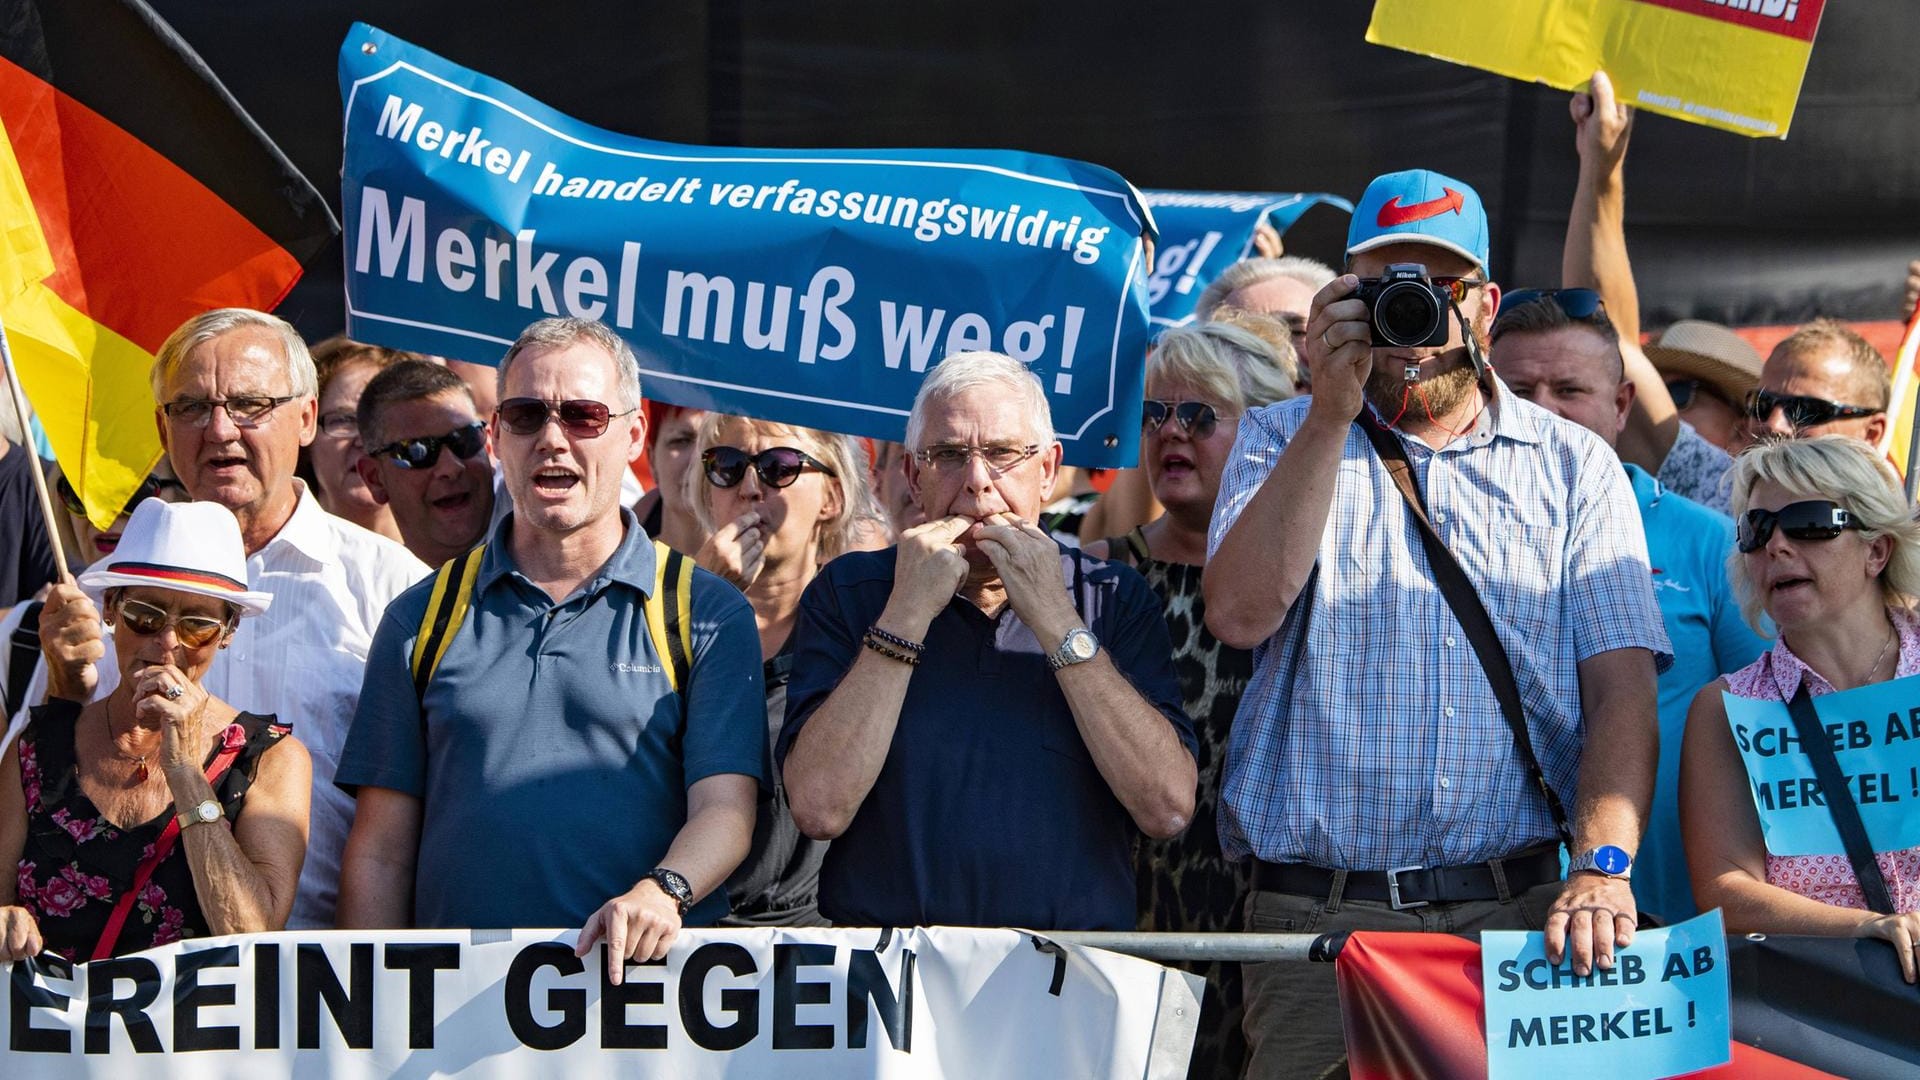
302	661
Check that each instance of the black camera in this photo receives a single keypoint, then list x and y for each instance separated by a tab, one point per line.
1404	308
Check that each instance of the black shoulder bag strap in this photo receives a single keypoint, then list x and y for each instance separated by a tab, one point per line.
1461	596
23	652
1840	804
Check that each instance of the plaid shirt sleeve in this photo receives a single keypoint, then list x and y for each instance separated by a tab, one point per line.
1257	447
1609	587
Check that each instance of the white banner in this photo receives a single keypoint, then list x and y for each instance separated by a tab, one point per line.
793	1004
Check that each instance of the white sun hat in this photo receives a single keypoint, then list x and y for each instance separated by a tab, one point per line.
192	547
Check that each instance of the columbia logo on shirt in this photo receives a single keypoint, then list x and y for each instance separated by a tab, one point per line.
635	669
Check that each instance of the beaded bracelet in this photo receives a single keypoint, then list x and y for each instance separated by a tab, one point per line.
890	652
915	647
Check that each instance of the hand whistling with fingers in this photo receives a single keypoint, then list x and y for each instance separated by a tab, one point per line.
737	550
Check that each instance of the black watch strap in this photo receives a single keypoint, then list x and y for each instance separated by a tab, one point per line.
674	885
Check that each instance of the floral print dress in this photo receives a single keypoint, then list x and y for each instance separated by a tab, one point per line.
77	864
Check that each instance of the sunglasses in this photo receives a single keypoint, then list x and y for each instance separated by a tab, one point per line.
146	620
1814	519
1577	303
579	418
1458	287
1196	418
149	488
1803	412
424	453
777	466
246	412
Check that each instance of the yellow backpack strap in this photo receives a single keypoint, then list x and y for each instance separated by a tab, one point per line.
678	578
446	609
669	614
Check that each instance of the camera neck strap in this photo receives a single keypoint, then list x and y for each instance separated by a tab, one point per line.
1840	805
1458	591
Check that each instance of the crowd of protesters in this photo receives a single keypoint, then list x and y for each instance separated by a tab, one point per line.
1405	637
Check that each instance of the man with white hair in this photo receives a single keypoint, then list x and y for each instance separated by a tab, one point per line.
980	719
237	400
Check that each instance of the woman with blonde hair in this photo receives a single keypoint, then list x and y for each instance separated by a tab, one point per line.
1829	551
777	502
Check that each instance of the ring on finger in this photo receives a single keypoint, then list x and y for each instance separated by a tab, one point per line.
1323	341
173	693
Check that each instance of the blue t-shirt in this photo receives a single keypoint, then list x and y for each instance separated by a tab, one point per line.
989	810
1687	547
553	760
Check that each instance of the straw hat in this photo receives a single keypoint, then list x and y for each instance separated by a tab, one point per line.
1692	349
192	547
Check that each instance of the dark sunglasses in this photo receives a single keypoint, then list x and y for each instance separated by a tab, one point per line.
580	418
1801	411
424	453
1814	519
1577	303
149	488
1196	418
777	466
146	620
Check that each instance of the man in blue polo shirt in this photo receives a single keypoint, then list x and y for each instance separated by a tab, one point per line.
980	719
549	775
1559	351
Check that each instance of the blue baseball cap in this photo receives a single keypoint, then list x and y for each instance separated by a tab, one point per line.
1420	206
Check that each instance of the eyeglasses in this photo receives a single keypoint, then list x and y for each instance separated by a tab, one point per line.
150	487
1458	287
147	620
580	418
246	412
424	452
339	424
1803	412
1577	303
777	466
1814	519
1196	418
954	457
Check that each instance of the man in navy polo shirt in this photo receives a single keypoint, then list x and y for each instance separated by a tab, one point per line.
980	719
549	766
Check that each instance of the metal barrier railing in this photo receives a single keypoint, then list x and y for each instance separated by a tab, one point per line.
1227	948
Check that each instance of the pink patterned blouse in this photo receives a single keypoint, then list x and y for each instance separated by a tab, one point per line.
1829	878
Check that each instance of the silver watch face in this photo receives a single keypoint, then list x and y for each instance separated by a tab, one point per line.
208	811
1081	645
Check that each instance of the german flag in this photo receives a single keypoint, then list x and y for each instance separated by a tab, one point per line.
134	192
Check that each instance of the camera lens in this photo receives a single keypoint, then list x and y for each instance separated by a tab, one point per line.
1406	313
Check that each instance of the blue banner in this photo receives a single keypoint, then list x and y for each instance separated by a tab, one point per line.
814	287
1875	734
1661	1011
1201	233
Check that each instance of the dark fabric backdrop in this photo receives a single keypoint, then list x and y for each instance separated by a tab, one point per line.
1207	94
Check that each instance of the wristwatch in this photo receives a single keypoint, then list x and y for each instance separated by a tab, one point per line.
673	885
205	813
1605	859
1078	648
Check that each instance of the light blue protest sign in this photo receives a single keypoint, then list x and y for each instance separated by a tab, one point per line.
1875	734
814	287
1661	1011
1201	233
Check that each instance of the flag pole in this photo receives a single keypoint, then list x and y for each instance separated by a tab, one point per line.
18	397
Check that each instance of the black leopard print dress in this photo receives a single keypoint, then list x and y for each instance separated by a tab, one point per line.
1185	883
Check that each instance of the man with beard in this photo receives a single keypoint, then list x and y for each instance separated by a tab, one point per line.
1436	705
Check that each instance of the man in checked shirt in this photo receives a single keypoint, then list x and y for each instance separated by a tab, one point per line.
1373	773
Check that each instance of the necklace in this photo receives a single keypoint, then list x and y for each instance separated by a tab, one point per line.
140	768
1892	636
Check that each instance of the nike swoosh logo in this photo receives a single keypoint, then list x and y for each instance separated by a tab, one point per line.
1392	213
